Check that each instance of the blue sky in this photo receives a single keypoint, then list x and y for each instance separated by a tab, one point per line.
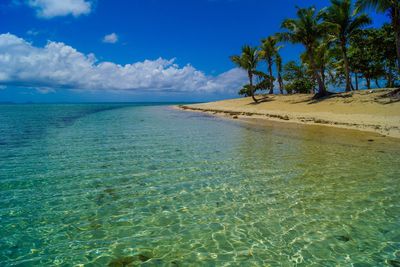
118	50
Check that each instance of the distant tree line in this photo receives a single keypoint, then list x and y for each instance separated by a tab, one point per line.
339	51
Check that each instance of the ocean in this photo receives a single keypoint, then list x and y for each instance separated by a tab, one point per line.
145	184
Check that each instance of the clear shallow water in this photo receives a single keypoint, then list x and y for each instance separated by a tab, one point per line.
102	185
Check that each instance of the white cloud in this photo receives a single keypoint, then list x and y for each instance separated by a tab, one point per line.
111	38
58	66
55	8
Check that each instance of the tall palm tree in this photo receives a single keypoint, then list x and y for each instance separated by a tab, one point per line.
248	61
279	67
306	30
268	52
392	7
345	22
322	58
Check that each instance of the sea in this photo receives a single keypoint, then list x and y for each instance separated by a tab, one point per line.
145	184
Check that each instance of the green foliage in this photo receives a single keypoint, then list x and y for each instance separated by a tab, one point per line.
269	50
246	90
379	5
338	50
307	30
372	54
263	83
344	22
386	47
392	8
298	78
248	61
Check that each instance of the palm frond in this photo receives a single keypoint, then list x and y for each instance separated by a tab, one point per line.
359	22
378	5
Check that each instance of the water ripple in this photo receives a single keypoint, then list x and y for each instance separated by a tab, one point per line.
100	185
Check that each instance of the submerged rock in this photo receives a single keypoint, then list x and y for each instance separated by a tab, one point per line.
394	263
343	238
110	191
143	257
121	262
131	260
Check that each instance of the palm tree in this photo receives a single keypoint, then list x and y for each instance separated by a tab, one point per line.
268	51
306	30
392	7
248	61
278	62
323	58
345	23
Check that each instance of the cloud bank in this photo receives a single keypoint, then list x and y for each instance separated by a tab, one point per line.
58	66
111	38
54	8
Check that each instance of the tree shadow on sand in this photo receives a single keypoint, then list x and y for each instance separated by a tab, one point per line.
262	100
391	97
387	98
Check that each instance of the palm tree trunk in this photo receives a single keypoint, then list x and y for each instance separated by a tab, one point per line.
251	86
280	81
346	65
351	84
395	12
398	49
389	78
368	83
356	78
314	89
321	86
271	88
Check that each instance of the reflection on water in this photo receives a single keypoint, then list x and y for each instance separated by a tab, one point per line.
120	185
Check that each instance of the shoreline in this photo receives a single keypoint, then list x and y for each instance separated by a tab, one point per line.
367	111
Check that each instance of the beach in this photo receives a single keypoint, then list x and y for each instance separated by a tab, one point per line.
373	111
200	133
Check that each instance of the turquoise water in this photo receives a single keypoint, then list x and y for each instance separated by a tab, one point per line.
124	185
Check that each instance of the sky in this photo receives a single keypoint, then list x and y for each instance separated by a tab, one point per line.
136	50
